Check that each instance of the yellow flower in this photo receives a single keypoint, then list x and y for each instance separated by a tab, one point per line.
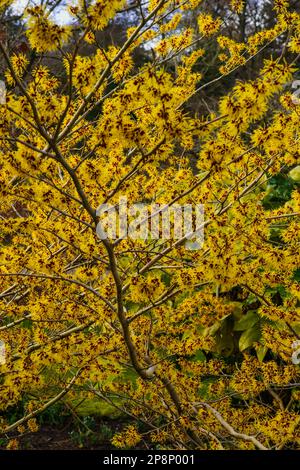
294	44
13	444
130	437
208	25
32	425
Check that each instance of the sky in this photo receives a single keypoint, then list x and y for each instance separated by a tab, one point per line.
61	16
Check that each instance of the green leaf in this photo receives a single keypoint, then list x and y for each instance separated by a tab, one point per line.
224	339
130	375
211	330
297	275
278	191
249	337
237	311
295	174
199	356
166	279
247	321
261	352
204	387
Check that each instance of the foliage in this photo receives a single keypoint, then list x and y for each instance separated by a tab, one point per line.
194	344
